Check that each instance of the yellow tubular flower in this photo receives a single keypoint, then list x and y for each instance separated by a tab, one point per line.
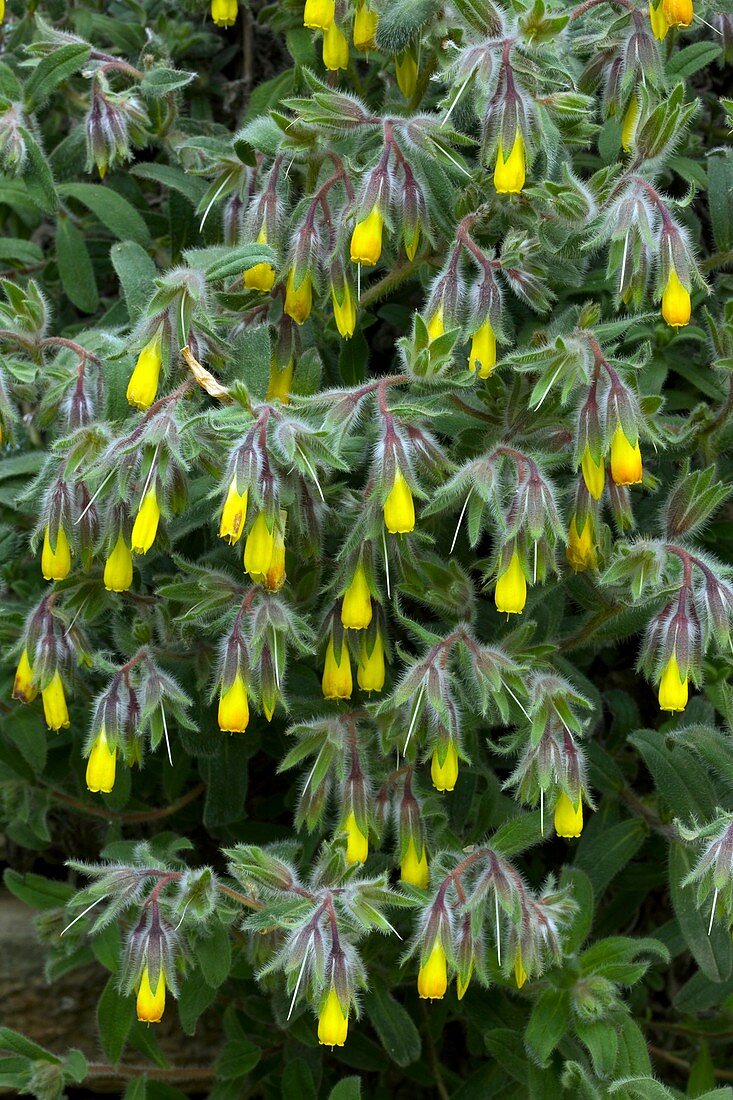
370	670
333	1025
444	773
101	765
366	240
143	384
657	18
145	527
628	126
280	381
262	276
259	547
413	870
509	174
337	682
55	560
673	689
233	514
405	67
399	507
55	710
510	594
233	713
581	549
626	465
568	818
520	974
224	12
357	844
432	981
344	312
482	356
118	567
356	606
274	577
335	49
678	13
365	28
151	1002
594	474
676	302
23	687
298	300
436	324
318	15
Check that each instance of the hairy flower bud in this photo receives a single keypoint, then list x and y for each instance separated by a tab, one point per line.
233	714
628	126
344	311
357	843
143	385
520	974
280	381
365	27
145	527
482	356
298	297
594	473
23	687
581	548
233	514
405	66
509	174
658	20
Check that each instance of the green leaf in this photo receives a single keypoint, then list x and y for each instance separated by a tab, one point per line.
393	1025
689	60
297	1081
678	776
75	267
349	1088
175	179
51	70
37	891
195	997
15	250
547	1024
137	274
214	955
137	1089
114	212
601	1039
18	1044
37	176
115	1016
712	952
720	188
161	82
400	22
603	851
238	1057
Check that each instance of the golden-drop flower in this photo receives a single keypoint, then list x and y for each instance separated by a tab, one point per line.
101	765
673	687
509	173
333	1024
568	818
444	768
510	594
151	1002
432	980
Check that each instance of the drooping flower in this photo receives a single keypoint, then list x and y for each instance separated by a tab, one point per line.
55	710
405	66
233	714
366	239
568	818
356	606
581	548
333	1023
432	980
151	1002
259	547
337	682
261	276
366	21
280	381
509	173
658	20
224	12
298	299
673	687
626	464
145	527
444	767
118	567
370	672
399	507
233	514
344	311
594	473
678	13
23	687
357	843
143	384
510	594
413	869
55	560
101	765
318	15
335	48
482	356
676	302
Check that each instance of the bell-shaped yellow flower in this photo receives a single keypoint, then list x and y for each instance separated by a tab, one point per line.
432	980
356	606
337	682
318	15
520	974
118	567
101	765
23	687
594	473
262	276
344	311
568	818
509	174
510	594
333	1024
658	20
676	302
626	465
370	671
444	769
581	548
413	870
145	527
55	560
405	67
143	384
298	299
233	714
399	507
366	239
678	13
357	843
365	27
55	710
436	324
233	514
224	12
335	48
673	688
628	126
259	547
151	1002
280	381
482	356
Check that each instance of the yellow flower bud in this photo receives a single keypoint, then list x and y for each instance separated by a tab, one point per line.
594	473
101	765
436	324
411	241
335	49
262	276
628	125
673	689
370	670
55	560
482	356
581	549
626	466
568	818
520	974
333	1025
344	311
274	577
462	984
357	843
509	174
444	771
510	595
405	67
259	547
145	527
298	300
365	28
366	240
233	514
318	15
55	710
118	567
432	981
151	1002
676	302
233	713
356	606
143	384
224	12
23	687
657	18
413	870
399	507
337	682
678	13
280	381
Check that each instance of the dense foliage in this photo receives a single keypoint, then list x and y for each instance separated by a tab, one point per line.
366	404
